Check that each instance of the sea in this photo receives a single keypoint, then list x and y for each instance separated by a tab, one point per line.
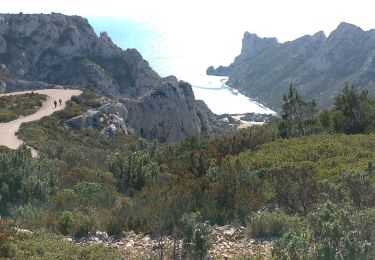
186	53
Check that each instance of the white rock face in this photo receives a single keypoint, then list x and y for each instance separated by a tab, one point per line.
168	113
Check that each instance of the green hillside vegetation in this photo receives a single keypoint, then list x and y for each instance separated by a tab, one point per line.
306	180
14	106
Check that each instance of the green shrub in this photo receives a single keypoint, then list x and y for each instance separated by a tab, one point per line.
6	234
195	235
84	223
87	188
270	224
66	223
328	233
14	106
48	246
29	216
65	199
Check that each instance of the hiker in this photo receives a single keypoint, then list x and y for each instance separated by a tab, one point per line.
55	103
60	101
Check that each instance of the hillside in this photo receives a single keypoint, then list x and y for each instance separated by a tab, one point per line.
318	66
301	186
44	50
244	194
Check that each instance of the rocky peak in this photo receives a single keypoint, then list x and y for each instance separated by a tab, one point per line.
253	45
107	41
319	36
305	46
345	31
344	26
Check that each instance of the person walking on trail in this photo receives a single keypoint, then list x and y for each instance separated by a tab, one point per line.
60	101
55	103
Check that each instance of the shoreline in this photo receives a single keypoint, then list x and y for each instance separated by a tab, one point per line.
222	99
242	121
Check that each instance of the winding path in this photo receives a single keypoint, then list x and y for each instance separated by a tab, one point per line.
8	130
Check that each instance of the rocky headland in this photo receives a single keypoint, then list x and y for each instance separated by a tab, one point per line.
317	65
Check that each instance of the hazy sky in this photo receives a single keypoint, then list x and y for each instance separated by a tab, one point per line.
285	19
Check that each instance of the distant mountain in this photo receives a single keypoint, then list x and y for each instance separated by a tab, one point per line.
37	50
318	66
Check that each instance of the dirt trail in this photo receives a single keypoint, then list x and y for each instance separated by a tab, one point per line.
8	130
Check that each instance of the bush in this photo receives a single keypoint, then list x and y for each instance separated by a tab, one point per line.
84	223
195	235
6	233
66	223
48	246
23	180
87	188
14	106
328	233
270	224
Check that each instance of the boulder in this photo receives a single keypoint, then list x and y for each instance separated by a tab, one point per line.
103	236
90	119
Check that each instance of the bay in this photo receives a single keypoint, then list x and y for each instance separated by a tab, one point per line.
186	53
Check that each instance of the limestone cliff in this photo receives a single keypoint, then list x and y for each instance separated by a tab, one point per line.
37	50
65	50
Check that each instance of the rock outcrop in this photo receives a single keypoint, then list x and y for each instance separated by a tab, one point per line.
168	113
38	50
109	118
318	66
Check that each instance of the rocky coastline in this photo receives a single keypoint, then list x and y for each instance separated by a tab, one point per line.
318	66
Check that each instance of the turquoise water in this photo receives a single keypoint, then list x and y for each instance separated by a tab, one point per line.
185	53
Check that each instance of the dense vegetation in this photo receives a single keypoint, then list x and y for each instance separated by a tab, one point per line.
306	179
12	107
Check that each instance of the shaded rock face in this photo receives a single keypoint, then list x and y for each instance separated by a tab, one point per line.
168	113
318	66
65	50
38	50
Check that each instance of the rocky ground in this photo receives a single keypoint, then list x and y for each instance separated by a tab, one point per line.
228	242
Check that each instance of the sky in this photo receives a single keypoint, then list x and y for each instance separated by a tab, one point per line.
284	19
